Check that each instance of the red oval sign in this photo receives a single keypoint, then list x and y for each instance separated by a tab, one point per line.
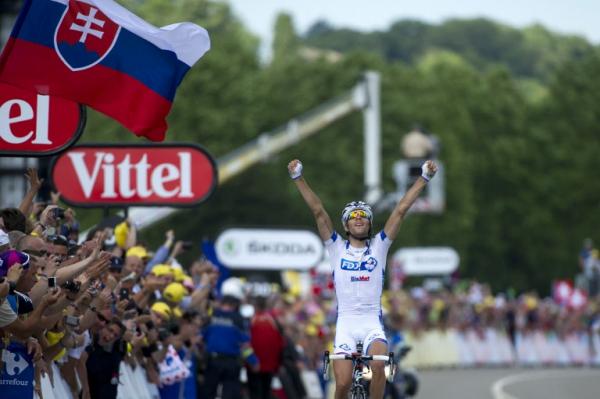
140	175
35	125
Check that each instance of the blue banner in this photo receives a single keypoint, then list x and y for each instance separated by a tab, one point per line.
209	252
16	377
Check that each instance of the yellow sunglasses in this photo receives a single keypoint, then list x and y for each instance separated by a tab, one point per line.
358	214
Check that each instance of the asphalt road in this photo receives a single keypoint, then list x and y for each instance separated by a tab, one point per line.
515	383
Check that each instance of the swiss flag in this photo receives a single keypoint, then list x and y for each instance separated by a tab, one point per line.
578	299
562	291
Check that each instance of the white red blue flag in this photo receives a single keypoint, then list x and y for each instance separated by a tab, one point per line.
97	53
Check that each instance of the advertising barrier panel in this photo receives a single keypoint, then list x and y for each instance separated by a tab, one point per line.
272	249
34	125
140	175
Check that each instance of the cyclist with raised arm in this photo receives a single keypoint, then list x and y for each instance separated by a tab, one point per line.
358	264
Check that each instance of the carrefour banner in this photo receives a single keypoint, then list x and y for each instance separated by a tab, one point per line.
272	249
16	379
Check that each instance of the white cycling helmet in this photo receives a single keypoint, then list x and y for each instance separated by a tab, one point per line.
234	287
356	205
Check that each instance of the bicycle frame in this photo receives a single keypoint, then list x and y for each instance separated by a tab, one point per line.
359	361
357	390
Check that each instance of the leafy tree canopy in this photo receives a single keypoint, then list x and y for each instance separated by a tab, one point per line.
515	110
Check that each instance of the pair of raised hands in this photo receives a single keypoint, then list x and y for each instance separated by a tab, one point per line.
428	169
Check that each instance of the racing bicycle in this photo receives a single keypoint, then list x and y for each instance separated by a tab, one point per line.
360	368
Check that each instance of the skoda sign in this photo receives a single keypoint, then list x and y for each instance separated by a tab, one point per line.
242	248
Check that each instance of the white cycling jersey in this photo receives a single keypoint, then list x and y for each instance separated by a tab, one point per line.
358	274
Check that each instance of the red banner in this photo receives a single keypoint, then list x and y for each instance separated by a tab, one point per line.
136	175
35	125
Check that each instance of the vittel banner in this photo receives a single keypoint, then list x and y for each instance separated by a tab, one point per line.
273	249
140	175
35	125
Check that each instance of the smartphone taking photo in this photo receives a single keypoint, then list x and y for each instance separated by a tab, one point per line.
52	282
72	321
123	294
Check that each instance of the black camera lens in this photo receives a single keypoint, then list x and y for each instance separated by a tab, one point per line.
72	248
58	213
123	294
72	286
163	334
116	263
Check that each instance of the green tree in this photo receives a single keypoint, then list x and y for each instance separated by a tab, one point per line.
515	110
285	40
532	52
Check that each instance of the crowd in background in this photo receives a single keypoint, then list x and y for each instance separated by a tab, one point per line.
83	309
465	320
589	263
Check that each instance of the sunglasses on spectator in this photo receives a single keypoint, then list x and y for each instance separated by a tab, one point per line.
38	254
57	237
358	214
102	318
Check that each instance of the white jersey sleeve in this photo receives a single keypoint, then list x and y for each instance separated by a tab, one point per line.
380	245
334	245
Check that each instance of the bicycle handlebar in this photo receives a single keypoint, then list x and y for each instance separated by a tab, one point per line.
389	359
384	358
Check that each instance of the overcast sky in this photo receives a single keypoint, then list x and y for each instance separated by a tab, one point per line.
580	17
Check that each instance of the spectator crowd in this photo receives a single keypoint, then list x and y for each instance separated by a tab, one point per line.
91	317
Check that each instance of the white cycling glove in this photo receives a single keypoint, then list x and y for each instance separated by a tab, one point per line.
297	171
426	172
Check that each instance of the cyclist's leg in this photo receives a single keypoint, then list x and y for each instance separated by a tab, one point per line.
343	343
342	370
376	344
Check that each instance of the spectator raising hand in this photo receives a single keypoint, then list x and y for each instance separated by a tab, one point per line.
15	273
33	348
98	267
34	180
35	183
52	296
55	197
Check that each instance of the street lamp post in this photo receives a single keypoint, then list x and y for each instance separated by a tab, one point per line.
416	147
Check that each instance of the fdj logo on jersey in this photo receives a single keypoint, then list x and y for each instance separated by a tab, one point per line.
84	36
369	265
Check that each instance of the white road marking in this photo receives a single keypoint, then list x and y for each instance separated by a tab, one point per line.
498	386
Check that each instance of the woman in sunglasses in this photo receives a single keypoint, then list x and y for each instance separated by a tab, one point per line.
358	264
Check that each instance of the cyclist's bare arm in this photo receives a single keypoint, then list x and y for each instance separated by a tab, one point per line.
392	226
324	224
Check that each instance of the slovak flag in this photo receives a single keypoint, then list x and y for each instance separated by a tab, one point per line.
97	53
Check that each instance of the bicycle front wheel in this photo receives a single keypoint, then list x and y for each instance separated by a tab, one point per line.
358	392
